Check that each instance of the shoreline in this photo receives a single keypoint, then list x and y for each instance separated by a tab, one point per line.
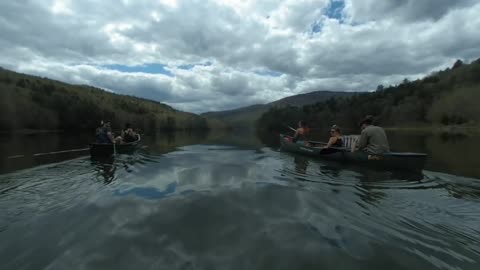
451	130
461	130
26	132
30	131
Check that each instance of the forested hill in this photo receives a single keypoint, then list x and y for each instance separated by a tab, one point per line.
30	102
449	97
247	116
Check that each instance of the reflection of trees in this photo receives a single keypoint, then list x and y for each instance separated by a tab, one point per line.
301	164
270	139
26	146
455	154
447	152
244	138
168	141
368	179
370	194
403	141
366	176
105	167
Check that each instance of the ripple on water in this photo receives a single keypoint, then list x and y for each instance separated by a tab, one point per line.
218	207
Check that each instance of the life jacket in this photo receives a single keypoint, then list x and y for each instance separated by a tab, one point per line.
338	143
102	135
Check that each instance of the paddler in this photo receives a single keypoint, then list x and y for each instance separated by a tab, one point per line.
373	139
104	133
301	133
335	137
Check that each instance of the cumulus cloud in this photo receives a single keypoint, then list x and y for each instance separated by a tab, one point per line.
223	54
403	10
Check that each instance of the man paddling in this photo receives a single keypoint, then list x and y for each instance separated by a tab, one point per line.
373	139
104	133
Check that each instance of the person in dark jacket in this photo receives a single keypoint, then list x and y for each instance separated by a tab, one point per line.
104	133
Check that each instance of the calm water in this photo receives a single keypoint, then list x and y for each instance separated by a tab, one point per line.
235	202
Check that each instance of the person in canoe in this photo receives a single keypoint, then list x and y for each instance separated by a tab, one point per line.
301	133
104	133
373	139
128	135
335	137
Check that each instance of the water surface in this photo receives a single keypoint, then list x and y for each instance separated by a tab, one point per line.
235	202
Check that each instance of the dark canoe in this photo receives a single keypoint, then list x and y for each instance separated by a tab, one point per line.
107	149
390	160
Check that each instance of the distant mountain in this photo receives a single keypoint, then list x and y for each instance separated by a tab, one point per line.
246	116
35	103
309	98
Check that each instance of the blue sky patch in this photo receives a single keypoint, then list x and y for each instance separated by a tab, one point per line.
190	66
335	10
146	68
317	26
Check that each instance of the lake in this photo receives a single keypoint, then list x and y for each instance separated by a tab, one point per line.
235	201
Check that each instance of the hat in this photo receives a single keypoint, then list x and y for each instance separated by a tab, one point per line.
366	120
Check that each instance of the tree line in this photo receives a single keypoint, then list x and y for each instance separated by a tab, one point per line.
30	102
444	98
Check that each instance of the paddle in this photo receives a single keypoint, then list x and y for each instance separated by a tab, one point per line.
112	139
49	153
291	128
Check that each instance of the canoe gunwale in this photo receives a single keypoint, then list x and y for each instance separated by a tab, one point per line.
100	149
393	160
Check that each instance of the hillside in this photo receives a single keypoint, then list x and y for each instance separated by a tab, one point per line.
30	102
247	116
446	98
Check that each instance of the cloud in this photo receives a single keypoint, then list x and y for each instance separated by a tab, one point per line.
210	55
403	10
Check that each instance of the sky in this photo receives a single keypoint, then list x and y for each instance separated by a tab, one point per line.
207	55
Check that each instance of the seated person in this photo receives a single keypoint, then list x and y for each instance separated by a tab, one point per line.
373	139
301	133
335	137
104	133
128	134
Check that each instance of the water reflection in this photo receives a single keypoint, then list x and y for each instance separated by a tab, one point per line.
452	154
301	164
216	201
149	192
105	168
223	206
25	151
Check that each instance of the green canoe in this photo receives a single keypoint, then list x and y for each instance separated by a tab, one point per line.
107	149
390	160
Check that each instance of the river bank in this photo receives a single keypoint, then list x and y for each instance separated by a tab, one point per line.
449	130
